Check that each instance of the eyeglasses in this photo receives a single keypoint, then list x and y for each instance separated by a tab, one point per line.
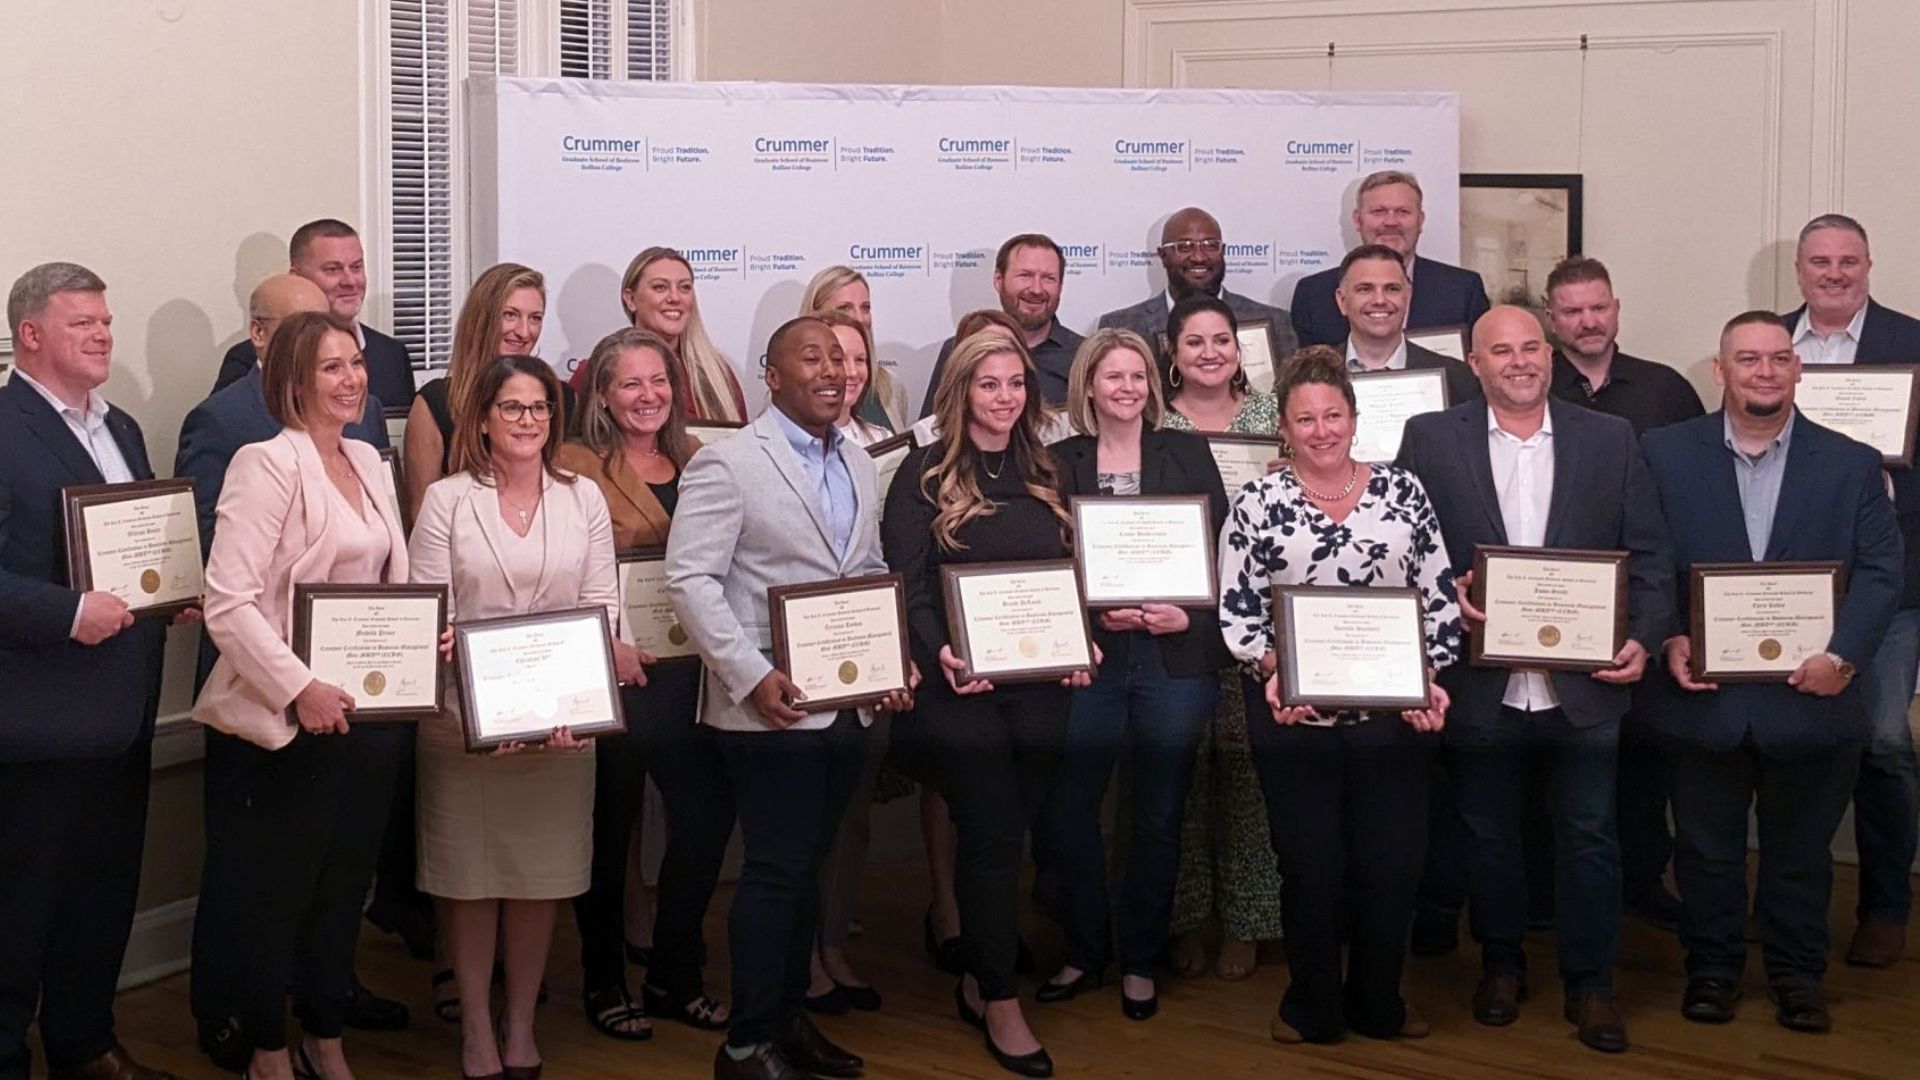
512	411
1188	247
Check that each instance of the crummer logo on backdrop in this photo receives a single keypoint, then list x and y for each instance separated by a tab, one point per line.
711	263
1337	155
593	153
888	260
793	153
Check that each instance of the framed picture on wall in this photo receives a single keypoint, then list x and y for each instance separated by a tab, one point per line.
1514	227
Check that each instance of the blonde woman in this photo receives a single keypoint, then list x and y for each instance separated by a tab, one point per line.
844	289
857	407
657	291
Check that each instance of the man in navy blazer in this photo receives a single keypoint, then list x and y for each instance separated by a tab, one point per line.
1757	481
1388	211
328	253
82	682
1841	324
1521	468
1372	296
1195	259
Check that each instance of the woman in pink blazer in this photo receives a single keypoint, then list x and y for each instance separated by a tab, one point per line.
298	797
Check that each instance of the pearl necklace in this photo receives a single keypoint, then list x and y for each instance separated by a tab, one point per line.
1353	477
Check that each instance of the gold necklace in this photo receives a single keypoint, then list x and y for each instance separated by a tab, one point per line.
1353	477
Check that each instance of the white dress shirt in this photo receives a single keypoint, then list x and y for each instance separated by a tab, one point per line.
1523	478
1838	347
1396	362
89	429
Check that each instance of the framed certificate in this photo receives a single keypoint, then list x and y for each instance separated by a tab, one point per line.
1017	621
139	541
1258	357
1875	404
1242	459
1755	622
1451	342
1386	400
709	432
380	643
843	643
524	675
396	420
1142	549
396	489
1554	609
925	431
1350	647
647	619
888	455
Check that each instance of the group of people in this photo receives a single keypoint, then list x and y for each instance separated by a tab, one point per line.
1355	836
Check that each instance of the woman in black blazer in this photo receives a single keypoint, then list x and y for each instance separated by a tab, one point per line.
1153	695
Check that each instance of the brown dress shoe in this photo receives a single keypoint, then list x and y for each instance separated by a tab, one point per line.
1414	1026
765	1063
1496	1001
806	1048
1877	944
115	1064
1801	1008
1600	1024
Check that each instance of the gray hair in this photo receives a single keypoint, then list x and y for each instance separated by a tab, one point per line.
29	295
1831	221
1389	177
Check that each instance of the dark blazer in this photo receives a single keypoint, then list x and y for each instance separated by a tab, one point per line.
1148	318
1171	463
389	371
61	699
1602	498
1890	337
1833	505
1462	384
1443	295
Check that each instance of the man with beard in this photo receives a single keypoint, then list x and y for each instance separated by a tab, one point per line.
1388	210
1027	273
1758	481
1195	259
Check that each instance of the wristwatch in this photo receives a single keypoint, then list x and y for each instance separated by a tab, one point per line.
1847	671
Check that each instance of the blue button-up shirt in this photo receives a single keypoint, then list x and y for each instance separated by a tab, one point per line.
827	470
1759	477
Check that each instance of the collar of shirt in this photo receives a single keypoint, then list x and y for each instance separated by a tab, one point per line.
1219	294
1565	374
94	413
1545	432
1778	445
1803	329
1054	333
1396	362
804	442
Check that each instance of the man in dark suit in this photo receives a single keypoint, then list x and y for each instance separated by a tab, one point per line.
328	253
1388	211
1758	481
1589	369
1841	324
1027	273
82	679
1520	468
1195	259
1373	299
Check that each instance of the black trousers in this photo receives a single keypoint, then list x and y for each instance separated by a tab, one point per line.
664	738
1645	786
1347	809
790	789
71	833
994	757
292	838
394	891
1798	802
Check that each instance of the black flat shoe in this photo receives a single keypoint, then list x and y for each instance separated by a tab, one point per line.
220	1040
945	954
1054	992
1710	1001
1139	1010
368	1011
862	998
1034	1064
832	1003
967	1015
1801	1008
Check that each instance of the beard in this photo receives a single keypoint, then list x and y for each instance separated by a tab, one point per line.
1031	322
1761	411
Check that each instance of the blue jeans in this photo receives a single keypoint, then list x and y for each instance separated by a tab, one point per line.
1886	798
1491	771
1134	707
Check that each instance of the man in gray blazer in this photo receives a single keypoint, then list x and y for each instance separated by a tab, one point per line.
787	501
1195	259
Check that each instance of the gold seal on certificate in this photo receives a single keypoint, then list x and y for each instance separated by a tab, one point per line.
525	675
1350	647
1552	609
1385	401
1875	404
647	619
843	643
138	541
1257	354
709	432
1242	459
1145	549
1017	621
380	643
1449	341
1755	622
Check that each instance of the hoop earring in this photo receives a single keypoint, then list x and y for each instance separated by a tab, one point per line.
1173	375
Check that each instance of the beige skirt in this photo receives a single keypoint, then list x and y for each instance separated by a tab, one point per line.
518	827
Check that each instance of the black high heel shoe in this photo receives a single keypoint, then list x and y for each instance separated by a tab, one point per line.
944	954
1038	1063
967	1015
1054	992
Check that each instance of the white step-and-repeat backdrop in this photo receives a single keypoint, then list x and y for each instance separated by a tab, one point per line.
762	185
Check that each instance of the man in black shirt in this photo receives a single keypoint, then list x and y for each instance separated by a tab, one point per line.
1027	273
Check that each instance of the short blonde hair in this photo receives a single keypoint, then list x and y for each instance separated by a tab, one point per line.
1388	178
1086	361
825	284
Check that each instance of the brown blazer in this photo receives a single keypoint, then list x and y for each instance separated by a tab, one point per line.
638	518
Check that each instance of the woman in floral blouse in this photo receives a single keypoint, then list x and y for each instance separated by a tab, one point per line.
1346	792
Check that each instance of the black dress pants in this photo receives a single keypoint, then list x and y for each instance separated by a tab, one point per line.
71	833
292	838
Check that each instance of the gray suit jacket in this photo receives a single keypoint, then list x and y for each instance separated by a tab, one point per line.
749	519
1148	318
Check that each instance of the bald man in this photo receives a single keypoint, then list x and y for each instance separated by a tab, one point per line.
1195	259
1522	468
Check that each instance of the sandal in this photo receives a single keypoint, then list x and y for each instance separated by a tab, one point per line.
446	1007
698	1011
615	1014
1237	959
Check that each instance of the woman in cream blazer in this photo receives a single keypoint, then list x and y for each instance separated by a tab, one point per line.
297	796
505	837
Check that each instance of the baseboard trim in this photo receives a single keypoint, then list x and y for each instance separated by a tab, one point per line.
161	943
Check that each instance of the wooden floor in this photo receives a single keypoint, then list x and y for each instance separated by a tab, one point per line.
1207	1029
